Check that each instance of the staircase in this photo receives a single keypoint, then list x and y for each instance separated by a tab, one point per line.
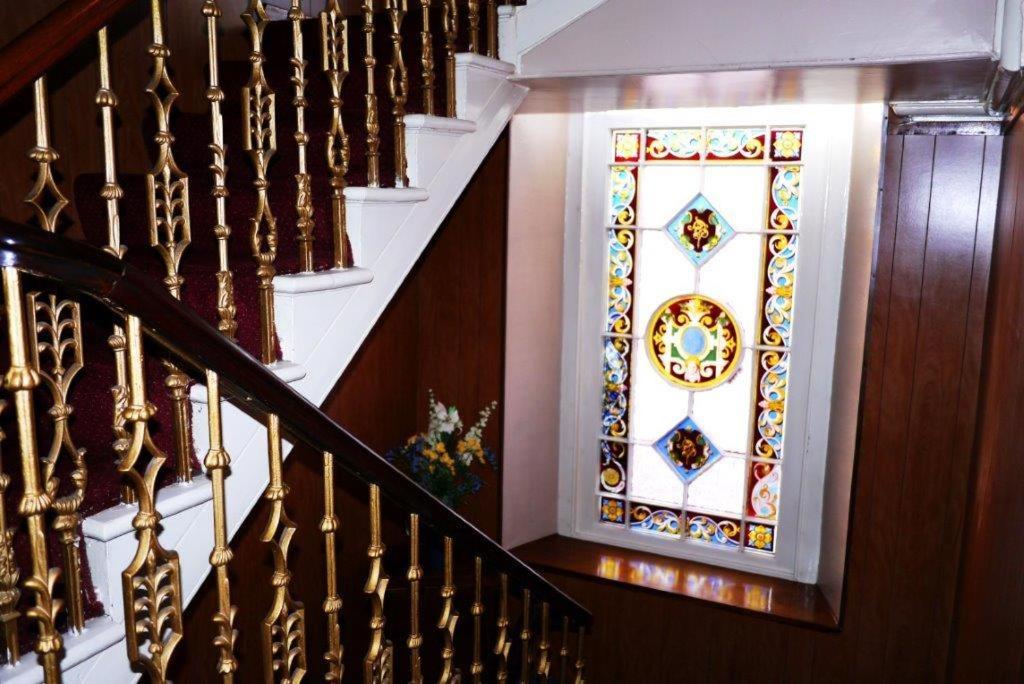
286	238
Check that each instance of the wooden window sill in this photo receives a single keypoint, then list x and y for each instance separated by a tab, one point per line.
745	592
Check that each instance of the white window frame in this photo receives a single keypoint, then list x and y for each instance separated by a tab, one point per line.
827	156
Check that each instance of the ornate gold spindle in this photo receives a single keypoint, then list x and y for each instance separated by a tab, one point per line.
303	182
37	494
260	122
45	197
503	644
524	638
332	603
492	29
477	610
152	581
414	576
284	627
427	59
217	462
450	19
580	662
56	329
563	652
544	646
398	88
374	664
372	120
226	308
473	15
9	573
170	229
449	616
112	194
334	50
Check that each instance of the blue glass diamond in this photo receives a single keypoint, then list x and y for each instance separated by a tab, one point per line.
687	450
699	230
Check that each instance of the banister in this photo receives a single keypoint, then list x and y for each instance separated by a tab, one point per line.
95	273
50	39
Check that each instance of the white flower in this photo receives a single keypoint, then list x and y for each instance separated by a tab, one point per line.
466	458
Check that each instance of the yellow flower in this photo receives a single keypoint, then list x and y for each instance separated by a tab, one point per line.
440	447
627	145
612	510
760	537
787	145
430	455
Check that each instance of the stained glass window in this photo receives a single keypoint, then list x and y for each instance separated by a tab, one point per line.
702	240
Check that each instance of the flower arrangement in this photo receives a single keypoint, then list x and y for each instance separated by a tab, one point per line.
442	459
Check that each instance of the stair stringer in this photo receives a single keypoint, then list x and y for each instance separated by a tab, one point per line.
389	232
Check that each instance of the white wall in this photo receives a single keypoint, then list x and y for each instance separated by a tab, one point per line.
663	36
534	321
861	228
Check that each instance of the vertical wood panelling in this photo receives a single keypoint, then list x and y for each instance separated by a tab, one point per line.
988	642
922	371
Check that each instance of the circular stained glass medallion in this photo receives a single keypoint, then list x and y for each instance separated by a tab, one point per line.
694	342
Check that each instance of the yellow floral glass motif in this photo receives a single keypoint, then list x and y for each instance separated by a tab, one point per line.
627	146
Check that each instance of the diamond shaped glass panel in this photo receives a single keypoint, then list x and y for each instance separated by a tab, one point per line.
687	449
699	230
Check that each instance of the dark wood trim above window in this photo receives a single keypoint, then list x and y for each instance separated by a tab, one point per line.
746	592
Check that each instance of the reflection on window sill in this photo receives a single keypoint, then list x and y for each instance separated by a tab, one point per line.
746	592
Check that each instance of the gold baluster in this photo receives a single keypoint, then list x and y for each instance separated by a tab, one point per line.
374	664
37	494
170	229
303	182
9	573
217	462
284	627
45	197
503	644
492	29
332	603
580	662
544	647
427	59
112	193
563	652
398	88
449	616
473	15
56	328
334	50
524	639
414	576
450	19
260	125
151	583
372	119
477	610
226	308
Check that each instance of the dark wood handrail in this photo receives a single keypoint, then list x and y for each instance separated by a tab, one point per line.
95	273
50	40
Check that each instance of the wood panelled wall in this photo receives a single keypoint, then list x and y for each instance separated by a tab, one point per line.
443	330
921	386
989	641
